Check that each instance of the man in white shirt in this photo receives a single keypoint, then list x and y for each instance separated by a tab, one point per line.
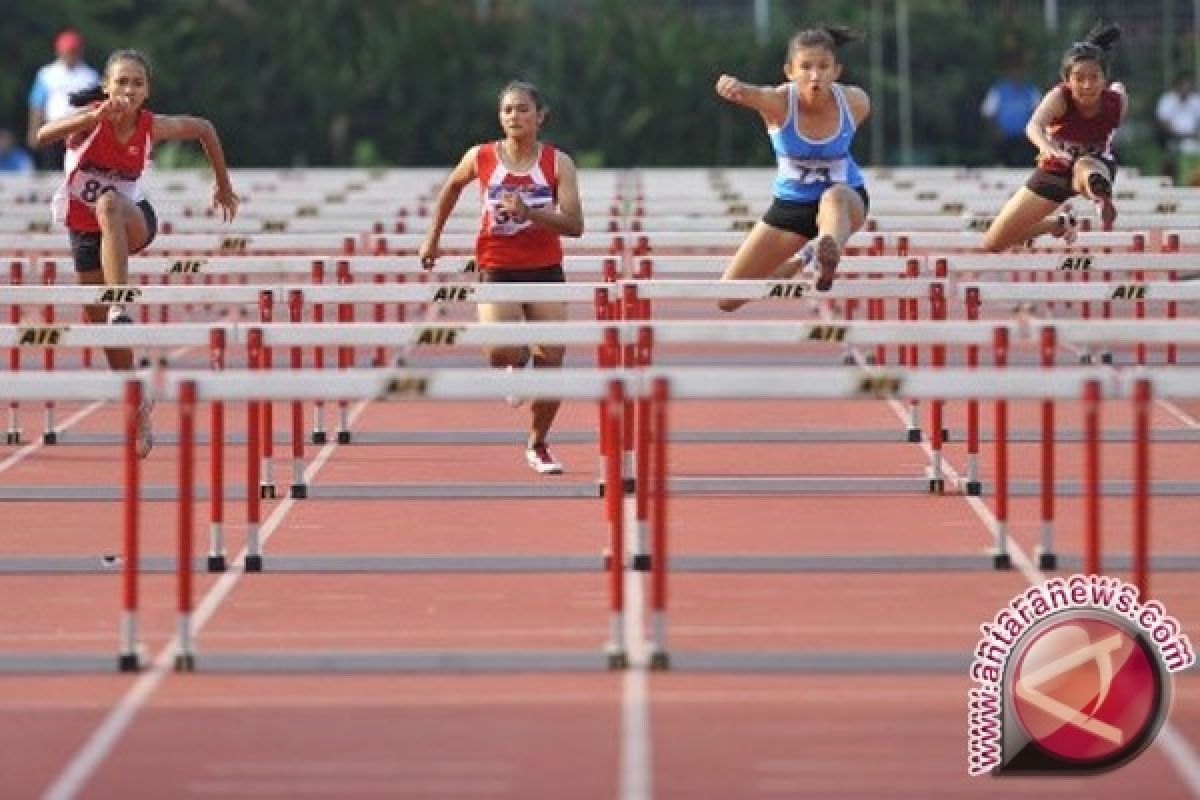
1178	114
52	86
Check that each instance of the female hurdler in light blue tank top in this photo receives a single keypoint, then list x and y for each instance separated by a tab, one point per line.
820	200
808	167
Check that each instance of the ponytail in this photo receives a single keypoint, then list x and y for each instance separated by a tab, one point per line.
831	37
1094	47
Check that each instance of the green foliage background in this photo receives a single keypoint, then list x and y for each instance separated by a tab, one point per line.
413	82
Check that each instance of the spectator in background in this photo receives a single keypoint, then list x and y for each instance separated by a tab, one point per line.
1178	115
1007	106
13	159
48	97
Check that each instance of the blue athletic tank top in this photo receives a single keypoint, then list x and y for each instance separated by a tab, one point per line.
807	167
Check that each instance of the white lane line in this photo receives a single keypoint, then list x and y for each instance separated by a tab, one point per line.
635	761
36	444
72	420
100	744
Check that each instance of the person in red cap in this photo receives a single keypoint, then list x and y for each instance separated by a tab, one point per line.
48	97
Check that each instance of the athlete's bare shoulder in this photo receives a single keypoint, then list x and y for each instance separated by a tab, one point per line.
859	102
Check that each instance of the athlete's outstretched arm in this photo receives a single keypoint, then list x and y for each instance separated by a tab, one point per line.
82	120
447	198
198	128
567	219
770	101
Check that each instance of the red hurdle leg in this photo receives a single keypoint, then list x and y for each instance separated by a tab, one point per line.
296	315
216	533
254	346
1001	556
128	659
973	485
658	525
1046	556
266	487
13	433
1091	477
614	498
1141	486
184	655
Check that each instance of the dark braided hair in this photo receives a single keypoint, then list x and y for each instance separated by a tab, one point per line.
831	37
1094	47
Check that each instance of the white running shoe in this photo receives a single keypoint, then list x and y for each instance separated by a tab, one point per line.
539	459
145	428
117	315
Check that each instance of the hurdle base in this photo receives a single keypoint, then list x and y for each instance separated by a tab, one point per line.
143	363
50	437
254	563
1001	561
628	486
12	437
973	488
659	660
1106	358
319	437
216	563
914	435
618	660
266	491
128	662
642	562
1047	559
343	437
937	485
185	662
299	491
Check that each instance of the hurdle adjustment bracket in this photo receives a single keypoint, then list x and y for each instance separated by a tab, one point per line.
50	437
216	563
660	660
1001	560
299	491
973	488
128	662
254	563
642	562
319	437
185	662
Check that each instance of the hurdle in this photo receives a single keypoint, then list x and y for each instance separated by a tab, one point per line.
1092	384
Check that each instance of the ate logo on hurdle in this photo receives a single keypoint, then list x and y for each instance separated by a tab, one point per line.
119	294
453	294
1074	678
186	266
1076	264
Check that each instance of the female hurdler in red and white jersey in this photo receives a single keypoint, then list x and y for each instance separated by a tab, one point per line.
109	144
1073	129
530	197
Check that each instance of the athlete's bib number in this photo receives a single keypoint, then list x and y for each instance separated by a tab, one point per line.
91	190
88	186
508	223
814	171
